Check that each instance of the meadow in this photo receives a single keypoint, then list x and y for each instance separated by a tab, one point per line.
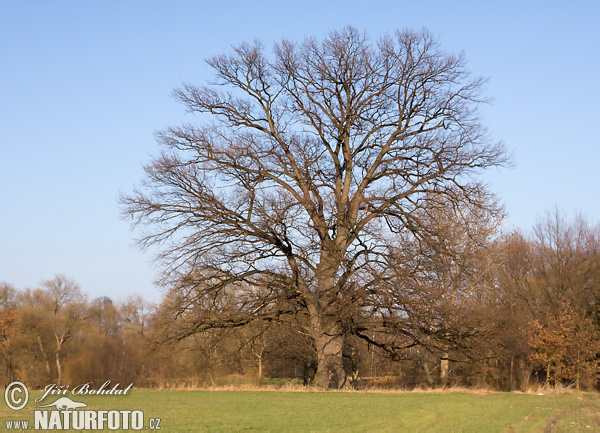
308	411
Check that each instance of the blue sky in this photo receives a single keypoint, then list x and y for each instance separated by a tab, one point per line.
84	85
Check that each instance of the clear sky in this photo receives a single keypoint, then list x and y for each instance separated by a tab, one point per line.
84	85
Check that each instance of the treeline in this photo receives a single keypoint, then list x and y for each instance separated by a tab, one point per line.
528	316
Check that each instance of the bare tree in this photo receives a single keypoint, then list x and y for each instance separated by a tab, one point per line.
7	296
52	316
305	163
134	314
565	264
437	290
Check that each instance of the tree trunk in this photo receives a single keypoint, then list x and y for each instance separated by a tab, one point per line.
444	369
577	374
260	369
58	369
427	373
39	339
330	369
328	339
326	329
59	343
511	380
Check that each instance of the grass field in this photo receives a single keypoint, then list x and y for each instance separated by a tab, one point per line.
241	411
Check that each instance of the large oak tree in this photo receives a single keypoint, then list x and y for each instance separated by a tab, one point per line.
305	163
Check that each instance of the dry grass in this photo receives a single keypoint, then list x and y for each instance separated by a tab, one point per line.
292	387
250	385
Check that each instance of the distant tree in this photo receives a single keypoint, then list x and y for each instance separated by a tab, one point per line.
256	339
135	314
8	327
513	296
51	317
562	294
438	291
565	265
112	345
103	313
307	162
8	296
565	347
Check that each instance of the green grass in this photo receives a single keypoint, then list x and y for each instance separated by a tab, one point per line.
240	411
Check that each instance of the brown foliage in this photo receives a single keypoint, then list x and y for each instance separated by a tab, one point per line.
565	346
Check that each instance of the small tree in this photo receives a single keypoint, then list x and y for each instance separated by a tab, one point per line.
565	346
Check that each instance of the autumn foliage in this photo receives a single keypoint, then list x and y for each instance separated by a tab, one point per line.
564	346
